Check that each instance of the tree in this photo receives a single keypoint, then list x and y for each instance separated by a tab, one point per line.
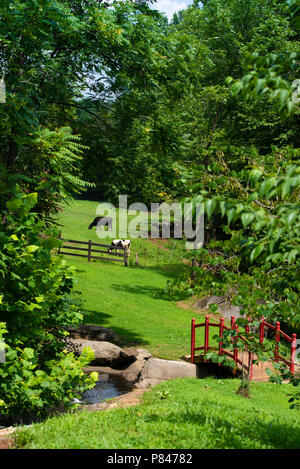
50	51
36	303
166	106
259	263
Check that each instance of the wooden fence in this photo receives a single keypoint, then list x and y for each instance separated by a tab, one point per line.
88	251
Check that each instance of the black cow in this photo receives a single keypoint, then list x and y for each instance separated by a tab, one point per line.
101	221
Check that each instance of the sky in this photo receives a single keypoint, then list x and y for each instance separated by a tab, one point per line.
169	7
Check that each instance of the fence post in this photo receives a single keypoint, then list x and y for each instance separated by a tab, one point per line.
235	350
193	341
277	340
262	331
250	356
136	259
293	353
89	251
220	336
125	257
59	237
206	336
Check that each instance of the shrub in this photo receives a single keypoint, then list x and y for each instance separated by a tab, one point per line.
27	391
36	302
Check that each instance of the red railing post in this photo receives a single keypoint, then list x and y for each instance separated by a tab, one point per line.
262	330
235	351
250	355
293	353
221	335
193	341
206	335
277	340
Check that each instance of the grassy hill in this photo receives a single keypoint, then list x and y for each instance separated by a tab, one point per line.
130	299
180	414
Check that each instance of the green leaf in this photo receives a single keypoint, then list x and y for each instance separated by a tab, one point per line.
32	248
230	215
247	218
14	205
210	206
236	88
30	200
257	252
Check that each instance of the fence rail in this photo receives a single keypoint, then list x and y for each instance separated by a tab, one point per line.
67	247
220	350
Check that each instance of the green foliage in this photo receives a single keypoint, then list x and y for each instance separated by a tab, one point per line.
49	50
156	101
258	266
258	210
35	288
28	391
36	304
254	201
52	165
266	79
173	111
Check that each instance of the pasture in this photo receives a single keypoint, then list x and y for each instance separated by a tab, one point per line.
131	300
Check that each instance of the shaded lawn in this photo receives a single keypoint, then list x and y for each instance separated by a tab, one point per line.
180	414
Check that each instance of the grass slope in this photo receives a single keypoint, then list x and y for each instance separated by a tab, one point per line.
130	300
180	414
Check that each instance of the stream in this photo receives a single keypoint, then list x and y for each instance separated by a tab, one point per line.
107	387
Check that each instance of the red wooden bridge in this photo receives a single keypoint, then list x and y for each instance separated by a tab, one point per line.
235	354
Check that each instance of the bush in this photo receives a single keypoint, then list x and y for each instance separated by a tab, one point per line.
27	391
36	303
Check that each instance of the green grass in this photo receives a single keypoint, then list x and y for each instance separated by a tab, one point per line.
130	300
76	217
180	414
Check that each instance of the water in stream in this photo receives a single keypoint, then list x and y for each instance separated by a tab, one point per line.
107	387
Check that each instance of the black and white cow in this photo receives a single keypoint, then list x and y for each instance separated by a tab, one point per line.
120	243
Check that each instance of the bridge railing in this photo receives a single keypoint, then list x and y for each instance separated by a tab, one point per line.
235	356
278	334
